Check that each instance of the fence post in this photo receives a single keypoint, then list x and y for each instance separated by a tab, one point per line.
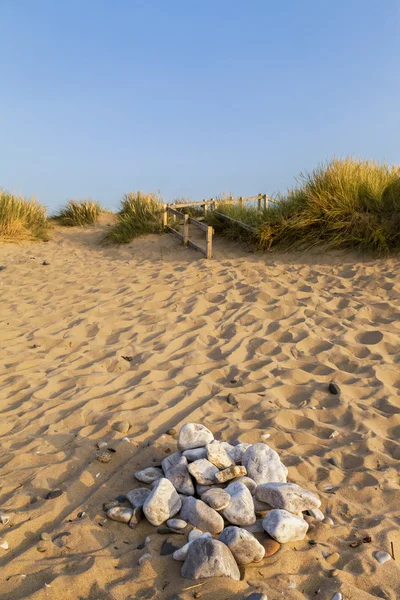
186	230
265	201
259	202
205	208
209	242
241	201
165	216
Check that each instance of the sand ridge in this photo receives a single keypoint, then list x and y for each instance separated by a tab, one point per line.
281	326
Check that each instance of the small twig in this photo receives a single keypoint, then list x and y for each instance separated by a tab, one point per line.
391	545
192	587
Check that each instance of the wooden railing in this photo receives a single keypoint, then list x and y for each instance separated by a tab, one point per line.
187	220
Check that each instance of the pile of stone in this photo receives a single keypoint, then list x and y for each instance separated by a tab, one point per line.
220	489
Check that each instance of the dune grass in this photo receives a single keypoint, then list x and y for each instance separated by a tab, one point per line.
77	213
346	203
139	214
22	218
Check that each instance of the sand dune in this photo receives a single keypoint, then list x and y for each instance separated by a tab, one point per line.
281	326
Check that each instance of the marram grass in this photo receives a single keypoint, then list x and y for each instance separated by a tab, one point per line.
77	213
22	218
139	214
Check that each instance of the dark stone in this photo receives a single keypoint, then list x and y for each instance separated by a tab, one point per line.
127	358
81	514
45	263
167	548
140	547
54	494
333	461
232	400
334	388
312	542
2	267
256	596
121	498
209	558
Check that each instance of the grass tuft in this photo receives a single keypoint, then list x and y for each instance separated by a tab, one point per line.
77	213
139	214
22	218
346	203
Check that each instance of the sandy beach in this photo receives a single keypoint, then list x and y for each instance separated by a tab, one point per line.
280	326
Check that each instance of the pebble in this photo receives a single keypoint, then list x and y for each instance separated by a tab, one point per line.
249	483
54	494
149	475
243	545
144	558
264	465
334	388
3	544
5	519
136	517
42	546
271	546
140	547
382	557
181	553
209	558
200	515
232	400
265	436
216	498
45	536
334	434
334	572
120	514
230	473
256	596
194	534
333	461
195	454
333	558
289	496
285	527
162	503
171	431
138	496
121	426
121	498
328	521
194	435
203	471
163	530
101	445
81	514
337	596
103	457
45	263
176	523
175	468
218	456
240	510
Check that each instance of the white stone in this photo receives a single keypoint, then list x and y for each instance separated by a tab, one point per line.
149	475
263	464
3	544
235	452
217	455
317	514
202	516
337	596
249	483
175	467
195	454
382	557
120	514
289	496
195	533
203	471
240	510
284	527
176	523
144	558
243	545
162	504
194	435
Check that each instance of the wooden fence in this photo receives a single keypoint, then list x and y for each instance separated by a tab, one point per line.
187	220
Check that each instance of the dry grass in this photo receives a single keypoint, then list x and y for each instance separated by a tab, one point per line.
139	214
22	218
77	213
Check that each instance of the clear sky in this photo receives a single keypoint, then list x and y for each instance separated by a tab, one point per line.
192	97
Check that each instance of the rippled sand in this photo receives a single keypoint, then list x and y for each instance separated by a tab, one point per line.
284	326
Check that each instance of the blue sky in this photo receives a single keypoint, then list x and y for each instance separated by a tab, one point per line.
192	97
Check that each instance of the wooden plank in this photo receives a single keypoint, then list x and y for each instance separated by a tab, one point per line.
198	224
259	198
209	242
189	204
241	201
176	213
165	216
176	233
196	247
186	230
244	225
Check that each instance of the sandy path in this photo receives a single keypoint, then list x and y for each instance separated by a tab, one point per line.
285	326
